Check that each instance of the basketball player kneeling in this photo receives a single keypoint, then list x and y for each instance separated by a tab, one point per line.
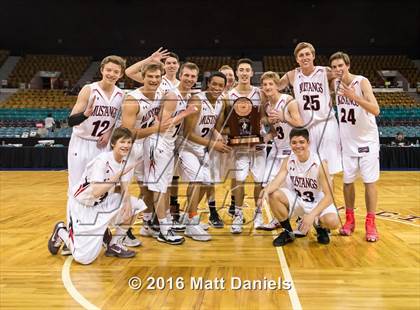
99	200
307	193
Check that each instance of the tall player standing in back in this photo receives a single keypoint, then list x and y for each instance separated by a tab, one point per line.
311	90
93	118
357	108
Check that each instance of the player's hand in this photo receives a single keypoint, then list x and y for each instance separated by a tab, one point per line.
89	109
348	92
191	109
103	140
275	116
221	147
307	222
159	54
163	126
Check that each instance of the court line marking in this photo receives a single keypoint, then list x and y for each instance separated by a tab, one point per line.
71	289
294	298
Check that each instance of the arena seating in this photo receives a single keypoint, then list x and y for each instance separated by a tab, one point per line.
71	68
3	56
39	98
211	63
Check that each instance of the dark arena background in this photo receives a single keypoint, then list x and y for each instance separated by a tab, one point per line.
50	49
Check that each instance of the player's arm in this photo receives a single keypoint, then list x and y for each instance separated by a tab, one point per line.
130	110
367	101
274	184
134	71
83	108
279	179
100	188
286	80
293	116
225	112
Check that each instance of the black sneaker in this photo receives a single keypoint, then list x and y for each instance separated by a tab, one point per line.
170	238
284	238
322	235
130	240
175	212
232	210
118	250
55	242
65	251
215	220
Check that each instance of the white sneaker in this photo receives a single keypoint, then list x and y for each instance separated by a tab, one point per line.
258	219
195	231
170	238
147	231
204	226
130	240
274	224
236	227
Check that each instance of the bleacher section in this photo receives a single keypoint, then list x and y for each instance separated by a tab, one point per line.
3	56
71	68
39	98
211	63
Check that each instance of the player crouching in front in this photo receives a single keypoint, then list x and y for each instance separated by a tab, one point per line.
311	198
101	199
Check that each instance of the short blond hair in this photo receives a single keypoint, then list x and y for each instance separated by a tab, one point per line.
340	55
303	45
152	66
189	65
114	59
271	75
225	67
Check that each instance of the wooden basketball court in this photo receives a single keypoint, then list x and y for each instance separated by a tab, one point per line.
347	273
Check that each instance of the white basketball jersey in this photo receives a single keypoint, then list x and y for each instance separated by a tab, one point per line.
313	96
99	169
303	178
167	86
358	129
253	95
207	119
281	143
167	139
148	109
104	114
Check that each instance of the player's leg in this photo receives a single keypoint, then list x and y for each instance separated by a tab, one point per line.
369	169
242	166
258	170
214	218
351	169
215	177
281	201
328	220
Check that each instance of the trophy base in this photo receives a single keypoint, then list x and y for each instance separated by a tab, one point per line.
251	140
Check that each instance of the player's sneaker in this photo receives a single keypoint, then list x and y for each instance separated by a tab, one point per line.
148	230
55	242
177	225
258	219
371	232
65	251
322	235
119	250
284	238
348	227
274	224
297	232
215	220
175	212
236	227
231	211
195	231
170	238
131	240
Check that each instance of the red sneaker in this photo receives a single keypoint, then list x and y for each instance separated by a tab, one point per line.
348	227
371	232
